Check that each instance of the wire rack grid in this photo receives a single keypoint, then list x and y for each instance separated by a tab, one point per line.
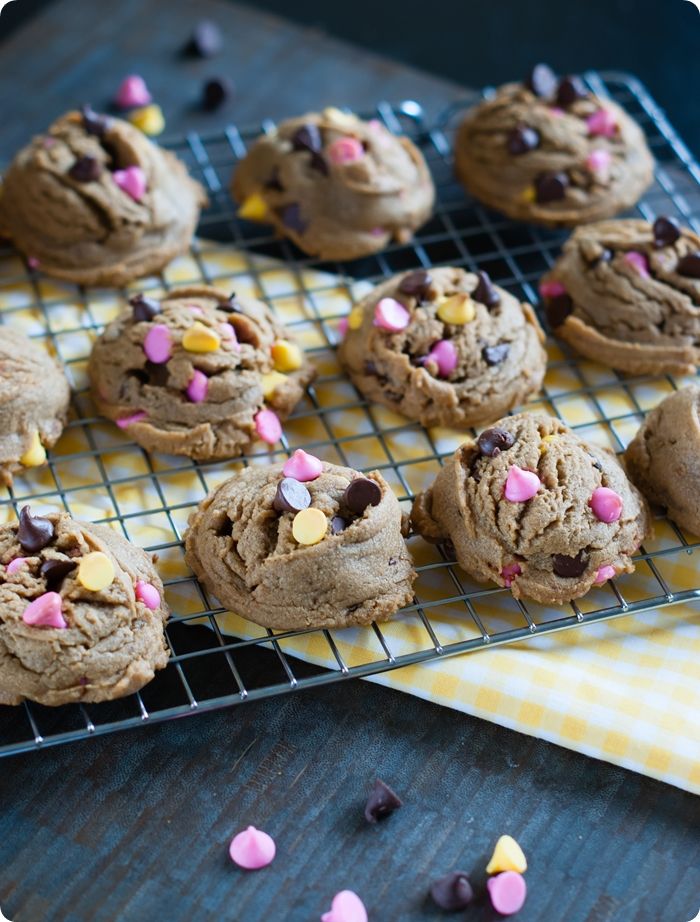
214	664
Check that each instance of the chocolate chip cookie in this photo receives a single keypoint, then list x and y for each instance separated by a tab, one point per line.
339	187
444	347
302	544
81	612
627	293
199	373
534	508
34	397
95	202
549	151
663	459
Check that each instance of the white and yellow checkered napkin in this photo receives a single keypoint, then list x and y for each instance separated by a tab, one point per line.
626	690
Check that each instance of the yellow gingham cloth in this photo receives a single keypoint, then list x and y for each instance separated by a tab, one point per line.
626	691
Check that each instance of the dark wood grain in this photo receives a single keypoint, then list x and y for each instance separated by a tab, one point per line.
135	826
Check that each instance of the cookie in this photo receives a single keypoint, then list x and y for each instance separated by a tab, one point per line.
93	201
663	458
627	293
337	186
302	544
199	373
444	347
551	152
81	612
534	508
34	397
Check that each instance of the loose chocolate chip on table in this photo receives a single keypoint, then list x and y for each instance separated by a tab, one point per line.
85	169
551	187
54	572
494	355
338	524
34	532
381	802
569	567
666	231
205	41
144	308
689	265
570	89
291	496
415	284
522	139
485	291
492	442
290	215
453	891
558	309
361	493
308	137
94	123
215	92
542	81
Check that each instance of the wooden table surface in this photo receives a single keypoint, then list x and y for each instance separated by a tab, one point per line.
135	826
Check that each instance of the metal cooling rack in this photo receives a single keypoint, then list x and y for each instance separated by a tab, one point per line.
209	670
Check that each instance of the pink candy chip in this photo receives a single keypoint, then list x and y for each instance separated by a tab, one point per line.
302	466
147	594
603	574
551	289
268	426
509	572
444	354
343	326
507	892
602	122
132	92
521	485
45	611
132	180
606	505
127	421
14	565
346	907
252	849
158	344
391	315
598	162
638	261
345	150
198	387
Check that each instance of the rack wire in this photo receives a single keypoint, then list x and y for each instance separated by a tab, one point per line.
96	473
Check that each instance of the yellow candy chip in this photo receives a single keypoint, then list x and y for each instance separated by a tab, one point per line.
270	382
528	194
507	856
309	526
199	338
148	119
545	442
254	208
35	454
95	571
459	309
355	318
286	356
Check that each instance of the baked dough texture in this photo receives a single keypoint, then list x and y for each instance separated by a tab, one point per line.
339	187
245	553
526	545
62	207
500	360
113	642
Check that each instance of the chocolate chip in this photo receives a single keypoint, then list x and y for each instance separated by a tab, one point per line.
215	92
54	572
85	169
596	463
558	309
494	355
273	182
492	442
485	291
522	139
666	232
291	217
361	493
551	187
689	265
94	123
308	137
291	496
338	524
205	41
570	89
416	284
318	162
231	306
453	891
569	567
144	309
370	368
34	532
542	81
157	375
381	802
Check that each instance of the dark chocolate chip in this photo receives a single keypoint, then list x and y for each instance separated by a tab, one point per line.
596	463
273	182
569	567
551	187
144	309
94	123
415	284
308	137
231	306
558	309
494	355
485	291
381	802
666	232
157	374
291	496
570	89
522	139
542	81
54	572
318	162
370	368
689	265
34	532
361	493
338	524
453	891
215	92
85	169
205	41
492	442
291	217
